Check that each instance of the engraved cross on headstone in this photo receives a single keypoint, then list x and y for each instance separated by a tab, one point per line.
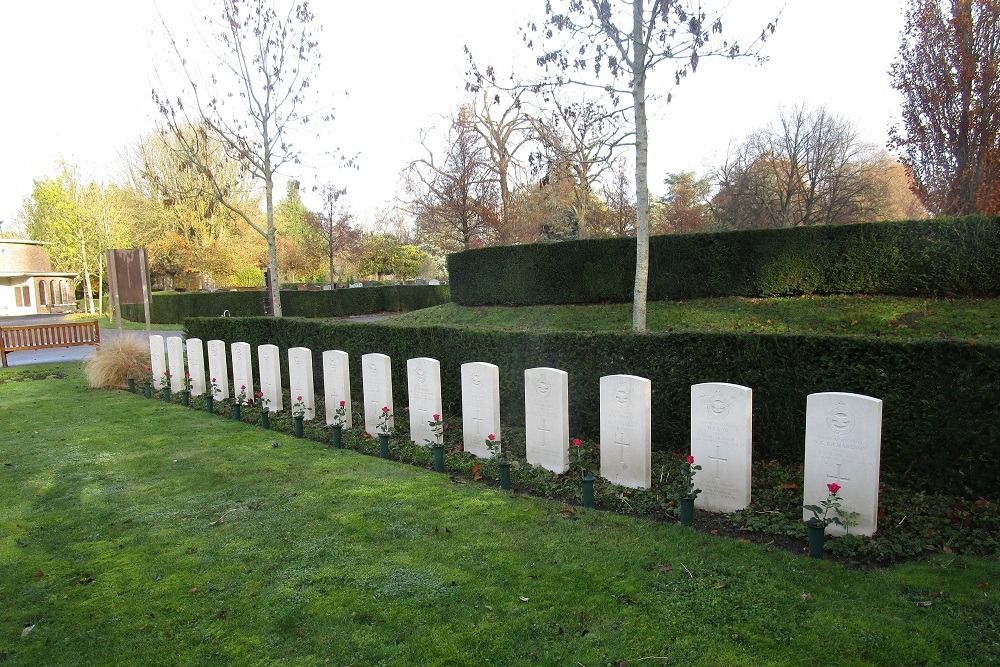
620	441
718	460
544	431
838	477
479	422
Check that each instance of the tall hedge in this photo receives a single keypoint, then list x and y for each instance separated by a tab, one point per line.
941	417
959	256
173	308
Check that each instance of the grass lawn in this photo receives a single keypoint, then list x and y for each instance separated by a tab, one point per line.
105	322
976	319
141	532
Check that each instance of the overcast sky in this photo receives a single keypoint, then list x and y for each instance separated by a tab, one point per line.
77	76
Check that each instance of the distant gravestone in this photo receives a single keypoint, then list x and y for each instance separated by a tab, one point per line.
157	360
337	385
269	367
196	365
242	371
626	420
423	383
844	445
546	418
480	406
300	379
721	425
218	369
175	362
376	382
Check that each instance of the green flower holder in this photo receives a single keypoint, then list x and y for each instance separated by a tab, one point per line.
504	475
588	490
298	425
687	511
337	436
383	445
439	458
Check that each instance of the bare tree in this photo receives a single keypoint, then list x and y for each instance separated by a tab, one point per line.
583	137
454	194
505	129
251	104
613	46
335	222
808	168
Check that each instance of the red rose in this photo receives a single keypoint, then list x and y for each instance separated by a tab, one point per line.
298	398
689	459
436	417
385	409
342	404
491	437
577	442
834	487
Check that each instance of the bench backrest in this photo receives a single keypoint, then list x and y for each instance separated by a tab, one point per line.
39	336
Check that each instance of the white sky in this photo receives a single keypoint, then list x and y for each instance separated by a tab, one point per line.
76	80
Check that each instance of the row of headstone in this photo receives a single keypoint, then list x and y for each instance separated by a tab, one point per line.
843	431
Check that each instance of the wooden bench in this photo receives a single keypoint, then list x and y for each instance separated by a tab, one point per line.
41	336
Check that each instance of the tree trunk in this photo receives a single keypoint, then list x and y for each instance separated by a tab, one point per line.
88	294
272	245
641	172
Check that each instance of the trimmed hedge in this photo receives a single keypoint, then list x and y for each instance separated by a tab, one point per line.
174	308
941	425
959	256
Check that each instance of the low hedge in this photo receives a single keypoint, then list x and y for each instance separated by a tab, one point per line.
958	256
172	308
941	425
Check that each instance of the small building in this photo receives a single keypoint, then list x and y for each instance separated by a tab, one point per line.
28	285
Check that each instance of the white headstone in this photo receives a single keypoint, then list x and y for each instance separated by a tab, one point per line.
721	424
300	379
337	385
157	360
175	362
242	371
269	365
218	369
844	445
546	418
626	420
196	365
423	383
376	382
480	406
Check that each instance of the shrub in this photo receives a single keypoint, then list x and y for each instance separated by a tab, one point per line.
941	420
928	257
172	308
109	365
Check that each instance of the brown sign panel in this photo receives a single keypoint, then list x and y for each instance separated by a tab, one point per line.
128	271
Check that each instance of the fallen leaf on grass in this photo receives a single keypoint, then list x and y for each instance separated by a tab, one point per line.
924	603
787	486
666	568
192	590
39	574
475	473
523	599
27	629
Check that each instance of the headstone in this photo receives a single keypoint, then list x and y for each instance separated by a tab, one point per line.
175	363
242	371
337	385
480	406
300	379
218	369
546	418
423	383
844	445
721	424
376	382
157	360
269	366
196	365
626	420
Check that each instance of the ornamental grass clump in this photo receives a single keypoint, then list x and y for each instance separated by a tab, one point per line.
112	362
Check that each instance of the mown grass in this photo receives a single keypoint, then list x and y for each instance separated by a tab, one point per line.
977	319
140	532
